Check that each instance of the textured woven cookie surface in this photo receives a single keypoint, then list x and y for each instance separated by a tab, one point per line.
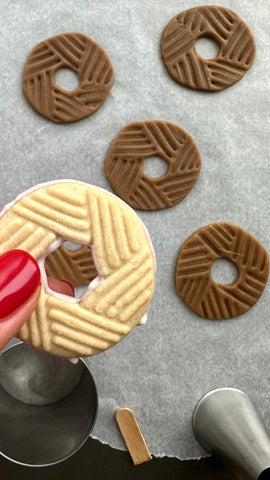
75	266
236	55
138	141
123	258
78	53
193	279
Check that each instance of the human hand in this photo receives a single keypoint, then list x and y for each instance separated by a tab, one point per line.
20	284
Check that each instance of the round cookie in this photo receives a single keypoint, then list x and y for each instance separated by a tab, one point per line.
141	140
86	58
236	55
42	219
193	279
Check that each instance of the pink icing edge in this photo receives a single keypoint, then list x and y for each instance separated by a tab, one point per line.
97	281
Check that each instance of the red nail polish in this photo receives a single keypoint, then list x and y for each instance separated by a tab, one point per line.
60	285
19	279
72	293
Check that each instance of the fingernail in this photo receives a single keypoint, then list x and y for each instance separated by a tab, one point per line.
72	293
59	285
19	279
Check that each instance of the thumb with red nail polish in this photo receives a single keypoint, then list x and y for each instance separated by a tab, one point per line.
20	283
19	291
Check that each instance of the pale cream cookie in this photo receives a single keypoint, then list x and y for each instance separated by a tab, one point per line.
39	221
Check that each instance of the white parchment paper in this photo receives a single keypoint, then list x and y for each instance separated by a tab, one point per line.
161	369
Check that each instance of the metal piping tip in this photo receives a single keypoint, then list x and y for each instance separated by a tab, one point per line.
226	423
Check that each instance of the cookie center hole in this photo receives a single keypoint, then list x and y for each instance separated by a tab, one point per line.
265	475
72	246
224	271
74	263
67	79
155	167
207	48
79	291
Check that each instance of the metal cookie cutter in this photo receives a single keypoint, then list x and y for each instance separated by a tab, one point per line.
226	422
48	406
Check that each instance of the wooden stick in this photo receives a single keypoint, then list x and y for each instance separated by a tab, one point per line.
132	435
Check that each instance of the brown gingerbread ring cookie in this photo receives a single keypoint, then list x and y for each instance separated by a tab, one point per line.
141	140
75	266
193	279
236	55
86	58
